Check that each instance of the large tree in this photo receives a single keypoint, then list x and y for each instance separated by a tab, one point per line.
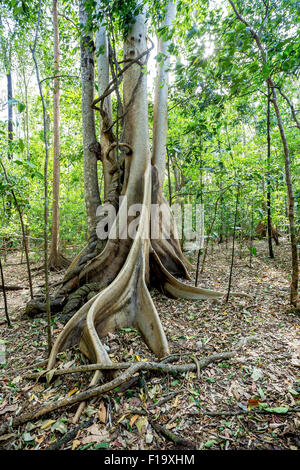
107	285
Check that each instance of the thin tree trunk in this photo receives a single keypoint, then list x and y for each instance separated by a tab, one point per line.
4	295
106	106
54	254
233	243
293	111
169	179
22	228
251	234
46	209
10	111
291	201
26	117
269	220
208	235
201	202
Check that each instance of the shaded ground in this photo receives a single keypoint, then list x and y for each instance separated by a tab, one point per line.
264	374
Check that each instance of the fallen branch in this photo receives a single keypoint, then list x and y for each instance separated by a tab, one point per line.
90	392
32	366
164	400
147	366
69	436
98	390
173	437
13	287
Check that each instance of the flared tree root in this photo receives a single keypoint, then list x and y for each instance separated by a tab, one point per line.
261	231
107	283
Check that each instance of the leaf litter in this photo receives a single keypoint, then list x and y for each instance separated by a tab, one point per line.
249	402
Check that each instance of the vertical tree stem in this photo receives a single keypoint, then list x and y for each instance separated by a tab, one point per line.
48	312
4	295
22	228
233	242
269	220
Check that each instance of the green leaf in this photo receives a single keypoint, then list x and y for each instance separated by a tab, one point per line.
278	409
102	445
21	107
209	444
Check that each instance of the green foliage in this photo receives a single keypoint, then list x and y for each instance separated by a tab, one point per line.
217	108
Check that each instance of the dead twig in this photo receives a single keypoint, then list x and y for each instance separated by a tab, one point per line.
172	437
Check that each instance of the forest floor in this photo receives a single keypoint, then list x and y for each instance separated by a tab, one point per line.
251	401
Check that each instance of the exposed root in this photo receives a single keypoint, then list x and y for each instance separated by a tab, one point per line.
176	289
262	229
125	302
57	261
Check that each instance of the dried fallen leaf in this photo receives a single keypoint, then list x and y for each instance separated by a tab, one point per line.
256	374
60	427
122	418
76	443
8	408
102	413
133	420
72	392
253	402
47	424
96	435
142	424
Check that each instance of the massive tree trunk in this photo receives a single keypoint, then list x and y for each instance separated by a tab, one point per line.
56	259
91	188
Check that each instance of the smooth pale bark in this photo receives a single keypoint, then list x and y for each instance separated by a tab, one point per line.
136	131
91	188
160	112
27	134
103	81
